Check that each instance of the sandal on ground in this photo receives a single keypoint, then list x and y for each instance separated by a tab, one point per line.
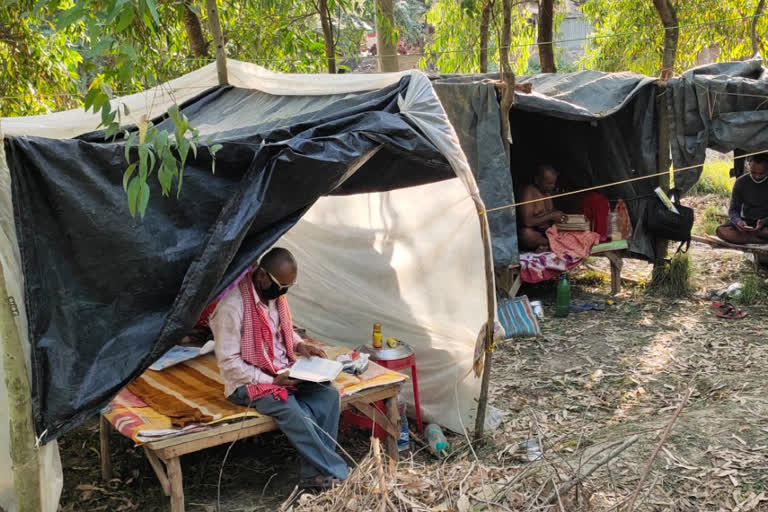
319	482
729	312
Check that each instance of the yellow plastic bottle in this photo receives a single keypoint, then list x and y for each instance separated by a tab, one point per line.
376	336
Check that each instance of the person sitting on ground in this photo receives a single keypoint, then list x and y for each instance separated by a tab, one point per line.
748	214
255	340
535	218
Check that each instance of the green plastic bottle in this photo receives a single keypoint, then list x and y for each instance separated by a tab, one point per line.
563	296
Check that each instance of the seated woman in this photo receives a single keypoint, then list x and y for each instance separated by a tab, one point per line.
748	214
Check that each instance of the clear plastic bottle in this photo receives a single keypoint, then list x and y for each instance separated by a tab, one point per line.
563	297
404	443
614	231
436	439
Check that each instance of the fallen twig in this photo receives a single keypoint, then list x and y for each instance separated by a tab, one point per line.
655	453
605	460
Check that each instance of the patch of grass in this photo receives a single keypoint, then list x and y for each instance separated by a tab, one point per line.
711	220
673	279
754	291
715	179
589	278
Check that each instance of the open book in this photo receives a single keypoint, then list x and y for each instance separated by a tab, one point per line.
314	369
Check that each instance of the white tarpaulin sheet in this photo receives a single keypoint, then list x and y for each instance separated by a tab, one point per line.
411	259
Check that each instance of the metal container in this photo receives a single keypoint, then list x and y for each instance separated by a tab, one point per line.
402	350
537	308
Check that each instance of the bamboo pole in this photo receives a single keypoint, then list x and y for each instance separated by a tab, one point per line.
218	40
506	103
663	158
24	455
490	289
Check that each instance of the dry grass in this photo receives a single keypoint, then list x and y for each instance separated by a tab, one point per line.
673	279
594	381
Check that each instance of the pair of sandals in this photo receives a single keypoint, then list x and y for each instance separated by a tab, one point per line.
319	483
728	311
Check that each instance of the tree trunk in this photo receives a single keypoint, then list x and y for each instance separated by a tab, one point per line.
545	37
755	18
671	33
218	40
386	36
327	24
24	455
197	42
506	103
485	21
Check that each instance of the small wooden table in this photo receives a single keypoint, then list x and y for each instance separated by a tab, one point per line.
167	452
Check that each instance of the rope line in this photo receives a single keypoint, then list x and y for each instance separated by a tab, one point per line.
597	187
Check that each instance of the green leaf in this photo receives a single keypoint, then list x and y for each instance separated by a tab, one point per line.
153	9
125	19
214	149
133	193
127	175
128	50
102	46
173	113
106	110
116	10
129	145
143	154
112	131
89	98
183	149
143	199
70	16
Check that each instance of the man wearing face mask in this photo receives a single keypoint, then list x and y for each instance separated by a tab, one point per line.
748	214
534	218
255	343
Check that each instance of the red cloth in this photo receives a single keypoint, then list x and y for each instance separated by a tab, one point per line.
257	344
625	223
576	244
596	208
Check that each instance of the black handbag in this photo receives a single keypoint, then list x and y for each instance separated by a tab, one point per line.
668	225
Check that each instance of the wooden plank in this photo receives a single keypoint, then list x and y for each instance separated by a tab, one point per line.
377	417
615	278
215	437
263	423
240	429
106	459
394	417
176	484
717	242
154	461
618	245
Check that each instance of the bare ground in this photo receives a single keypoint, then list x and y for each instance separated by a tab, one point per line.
594	380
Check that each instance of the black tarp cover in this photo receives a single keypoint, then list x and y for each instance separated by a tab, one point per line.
106	295
718	106
595	128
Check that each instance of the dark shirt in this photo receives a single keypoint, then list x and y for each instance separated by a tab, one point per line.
749	200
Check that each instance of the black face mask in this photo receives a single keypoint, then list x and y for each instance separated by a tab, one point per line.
273	292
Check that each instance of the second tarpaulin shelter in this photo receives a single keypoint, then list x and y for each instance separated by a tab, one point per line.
594	128
722	106
361	176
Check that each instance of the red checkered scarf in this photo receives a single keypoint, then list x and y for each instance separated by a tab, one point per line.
257	342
